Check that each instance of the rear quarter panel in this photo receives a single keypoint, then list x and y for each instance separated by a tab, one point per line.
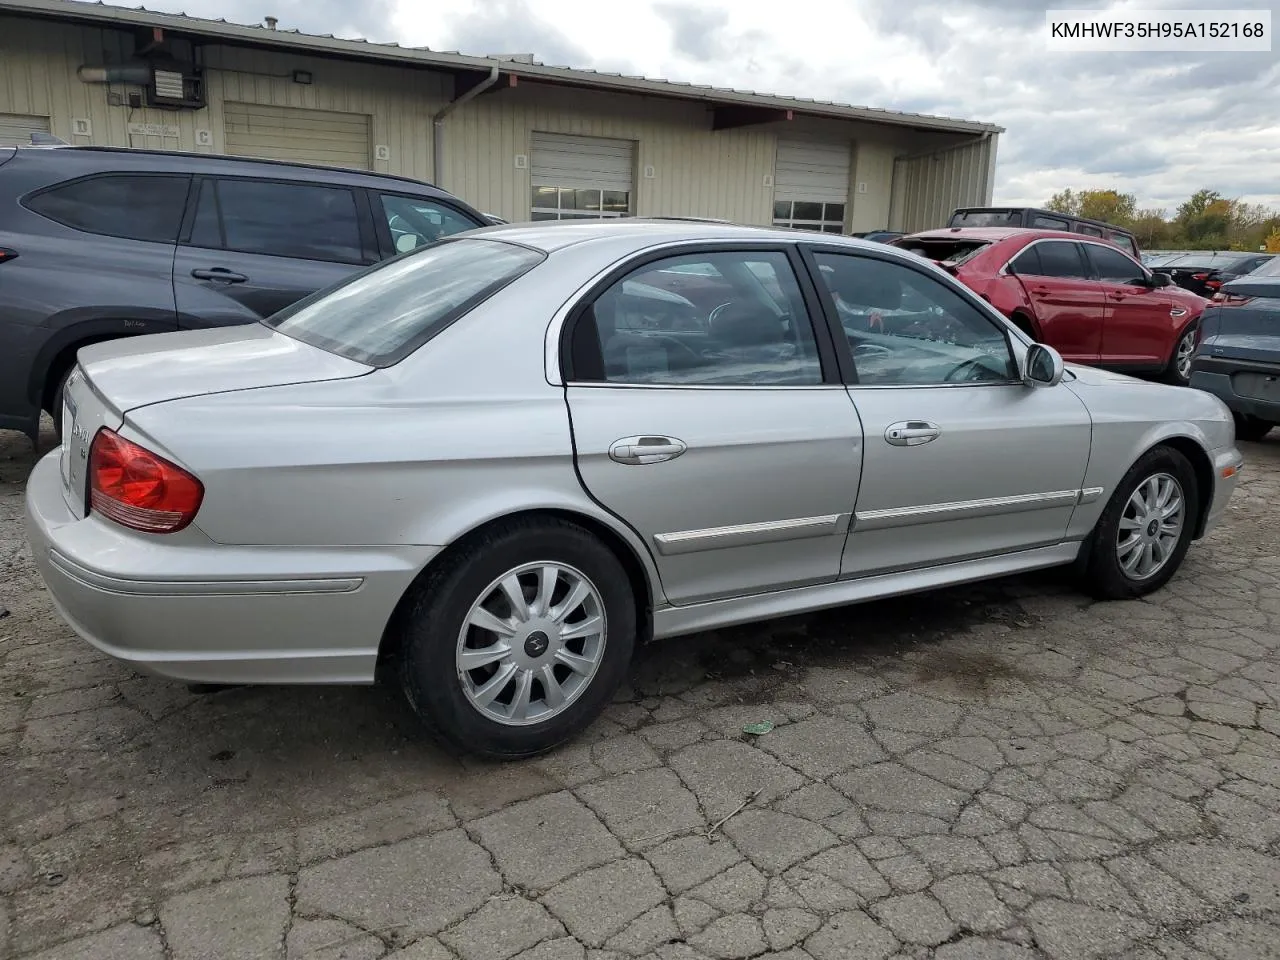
466	430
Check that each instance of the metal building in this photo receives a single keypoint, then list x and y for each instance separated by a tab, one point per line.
512	136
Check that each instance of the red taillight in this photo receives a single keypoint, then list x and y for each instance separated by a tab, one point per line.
1199	276
1213	284
6	254
137	489
1229	299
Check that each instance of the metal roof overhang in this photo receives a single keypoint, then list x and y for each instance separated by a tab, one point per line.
731	108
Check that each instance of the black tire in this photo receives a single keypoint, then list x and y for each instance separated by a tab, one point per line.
1104	577
1172	374
440	606
1251	429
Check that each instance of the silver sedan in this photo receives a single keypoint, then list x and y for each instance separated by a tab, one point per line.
491	466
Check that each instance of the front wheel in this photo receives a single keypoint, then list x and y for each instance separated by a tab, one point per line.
1144	532
1251	429
519	641
1179	370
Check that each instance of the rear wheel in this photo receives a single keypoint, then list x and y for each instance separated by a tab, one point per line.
516	643
1251	429
1144	533
1179	369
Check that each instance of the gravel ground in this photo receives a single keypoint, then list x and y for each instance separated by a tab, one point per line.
1005	771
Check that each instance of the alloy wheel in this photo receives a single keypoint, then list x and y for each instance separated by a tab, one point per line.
531	643
1182	359
1150	526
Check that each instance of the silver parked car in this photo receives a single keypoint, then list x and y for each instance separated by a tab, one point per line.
495	463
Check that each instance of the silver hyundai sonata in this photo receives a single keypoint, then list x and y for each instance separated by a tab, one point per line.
495	463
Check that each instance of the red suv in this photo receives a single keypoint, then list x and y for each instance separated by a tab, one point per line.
1086	298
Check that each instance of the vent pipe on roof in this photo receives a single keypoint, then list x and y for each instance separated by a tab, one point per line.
270	22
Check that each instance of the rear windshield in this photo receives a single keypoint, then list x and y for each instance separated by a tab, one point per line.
381	315
986	218
1202	262
944	251
1269	269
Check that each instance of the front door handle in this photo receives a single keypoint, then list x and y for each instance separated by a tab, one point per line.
219	273
638	451
911	433
1116	295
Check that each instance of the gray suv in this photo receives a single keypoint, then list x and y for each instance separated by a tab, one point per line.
98	243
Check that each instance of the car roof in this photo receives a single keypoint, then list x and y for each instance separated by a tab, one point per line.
555	235
995	234
183	160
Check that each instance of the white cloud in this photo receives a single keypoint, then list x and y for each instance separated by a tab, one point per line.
1158	125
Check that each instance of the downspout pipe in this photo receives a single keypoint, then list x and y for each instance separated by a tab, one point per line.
437	123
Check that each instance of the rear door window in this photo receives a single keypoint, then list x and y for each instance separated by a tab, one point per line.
133	206
300	220
1062	258
1050	223
1027	262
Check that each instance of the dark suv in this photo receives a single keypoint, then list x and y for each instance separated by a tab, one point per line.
1039	219
98	243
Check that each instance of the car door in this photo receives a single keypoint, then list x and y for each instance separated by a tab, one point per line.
722	435
253	247
1141	320
962	459
1067	301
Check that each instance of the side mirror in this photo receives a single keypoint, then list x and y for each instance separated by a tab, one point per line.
1044	366
1159	280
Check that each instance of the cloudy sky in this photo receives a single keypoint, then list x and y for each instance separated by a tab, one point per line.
1159	125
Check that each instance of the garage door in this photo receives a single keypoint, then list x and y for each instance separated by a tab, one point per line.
575	177
292	133
811	185
16	128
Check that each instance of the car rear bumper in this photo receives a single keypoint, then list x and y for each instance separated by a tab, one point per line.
1221	378
202	612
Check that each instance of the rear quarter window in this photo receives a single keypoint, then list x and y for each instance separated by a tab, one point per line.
381	315
131	206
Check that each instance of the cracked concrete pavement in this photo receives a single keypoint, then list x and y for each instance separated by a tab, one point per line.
1004	771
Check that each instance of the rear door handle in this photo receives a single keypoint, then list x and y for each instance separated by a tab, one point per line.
638	451
911	433
219	273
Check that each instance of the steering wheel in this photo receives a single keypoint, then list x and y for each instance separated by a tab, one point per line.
715	313
971	366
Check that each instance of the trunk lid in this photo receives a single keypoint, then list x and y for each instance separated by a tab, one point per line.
117	376
138	371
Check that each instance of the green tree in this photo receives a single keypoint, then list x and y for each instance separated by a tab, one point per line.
1109	206
1064	202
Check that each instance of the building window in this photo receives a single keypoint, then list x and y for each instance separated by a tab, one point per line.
809	215
577	203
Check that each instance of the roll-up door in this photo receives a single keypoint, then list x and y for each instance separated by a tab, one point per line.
575	177
297	134
16	128
811	185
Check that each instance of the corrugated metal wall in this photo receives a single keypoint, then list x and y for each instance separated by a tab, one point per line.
927	188
38	62
695	172
683	168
